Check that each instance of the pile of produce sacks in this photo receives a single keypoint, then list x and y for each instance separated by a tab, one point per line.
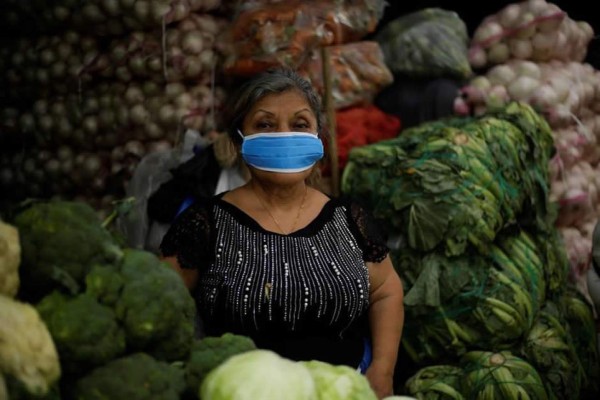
533	52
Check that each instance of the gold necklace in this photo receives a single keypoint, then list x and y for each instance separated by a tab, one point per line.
275	220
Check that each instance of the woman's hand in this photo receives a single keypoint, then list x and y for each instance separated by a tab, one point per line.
381	381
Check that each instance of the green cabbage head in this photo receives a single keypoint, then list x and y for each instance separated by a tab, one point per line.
259	374
339	382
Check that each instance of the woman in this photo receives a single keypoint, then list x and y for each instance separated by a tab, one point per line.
302	274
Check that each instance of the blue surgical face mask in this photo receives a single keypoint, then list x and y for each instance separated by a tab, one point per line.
284	152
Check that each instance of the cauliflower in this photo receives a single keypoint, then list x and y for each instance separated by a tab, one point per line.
86	333
151	303
10	257
209	353
60	241
27	351
134	377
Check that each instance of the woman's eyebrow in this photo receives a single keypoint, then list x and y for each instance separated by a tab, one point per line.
264	111
299	111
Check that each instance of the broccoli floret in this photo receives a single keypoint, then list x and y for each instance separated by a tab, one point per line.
134	377
105	283
60	242
151	303
86	333
27	351
209	353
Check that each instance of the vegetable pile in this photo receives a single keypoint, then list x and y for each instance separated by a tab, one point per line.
533	52
466	203
81	109
101	17
529	30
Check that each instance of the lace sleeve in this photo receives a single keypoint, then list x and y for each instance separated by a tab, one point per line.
369	235
189	237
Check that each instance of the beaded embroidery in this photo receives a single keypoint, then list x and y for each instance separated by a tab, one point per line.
256	277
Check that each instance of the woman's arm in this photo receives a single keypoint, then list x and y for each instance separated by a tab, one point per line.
386	318
189	276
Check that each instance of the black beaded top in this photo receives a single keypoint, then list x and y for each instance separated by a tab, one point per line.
303	295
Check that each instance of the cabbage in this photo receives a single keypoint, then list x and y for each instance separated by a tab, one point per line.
339	382
259	374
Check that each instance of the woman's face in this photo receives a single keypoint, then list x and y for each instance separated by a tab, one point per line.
280	112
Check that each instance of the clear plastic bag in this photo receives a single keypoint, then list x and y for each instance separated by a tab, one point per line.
151	172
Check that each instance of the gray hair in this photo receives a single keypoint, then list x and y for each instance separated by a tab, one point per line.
273	81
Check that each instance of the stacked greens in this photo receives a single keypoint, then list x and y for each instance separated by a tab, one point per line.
465	201
457	181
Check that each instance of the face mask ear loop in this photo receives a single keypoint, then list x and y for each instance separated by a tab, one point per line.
241	135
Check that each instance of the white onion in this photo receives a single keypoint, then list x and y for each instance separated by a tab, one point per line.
522	88
526	27
501	74
509	15
477	57
139	115
520	48
153	131
489	32
497	97
527	68
544	96
134	95
536	7
552	18
498	53
192	43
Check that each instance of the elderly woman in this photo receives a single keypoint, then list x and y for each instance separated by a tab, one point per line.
302	274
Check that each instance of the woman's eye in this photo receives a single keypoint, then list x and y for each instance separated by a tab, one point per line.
302	125
262	125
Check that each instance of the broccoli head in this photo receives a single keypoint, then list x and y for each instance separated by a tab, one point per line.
27	352
60	242
151	302
86	333
210	352
134	377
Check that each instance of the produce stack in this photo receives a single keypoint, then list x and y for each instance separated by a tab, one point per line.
100	85
82	317
488	309
533	52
